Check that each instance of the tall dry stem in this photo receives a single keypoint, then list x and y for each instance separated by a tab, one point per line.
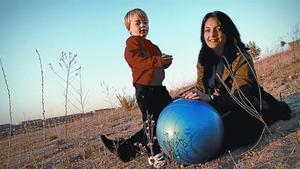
109	93
67	64
235	164
43	100
83	100
42	85
243	101
10	112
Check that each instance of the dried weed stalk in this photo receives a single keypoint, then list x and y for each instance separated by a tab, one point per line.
149	127
69	69
43	99
109	93
243	101
10	113
42	87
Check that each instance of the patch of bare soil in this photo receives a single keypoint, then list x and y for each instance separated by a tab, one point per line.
50	148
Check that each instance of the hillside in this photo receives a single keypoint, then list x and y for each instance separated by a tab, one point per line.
81	146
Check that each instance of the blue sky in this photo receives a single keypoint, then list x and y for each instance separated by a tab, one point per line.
94	30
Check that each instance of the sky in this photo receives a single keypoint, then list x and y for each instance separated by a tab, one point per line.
95	31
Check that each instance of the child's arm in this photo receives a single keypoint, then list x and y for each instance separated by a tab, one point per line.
135	56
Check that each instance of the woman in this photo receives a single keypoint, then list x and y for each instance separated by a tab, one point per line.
227	81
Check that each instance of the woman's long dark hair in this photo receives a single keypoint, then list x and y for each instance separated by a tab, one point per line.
233	39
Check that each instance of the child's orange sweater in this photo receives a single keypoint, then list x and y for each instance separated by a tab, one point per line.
144	59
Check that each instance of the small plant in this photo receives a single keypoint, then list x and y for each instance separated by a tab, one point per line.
127	101
254	50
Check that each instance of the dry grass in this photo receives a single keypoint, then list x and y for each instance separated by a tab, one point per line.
126	101
279	74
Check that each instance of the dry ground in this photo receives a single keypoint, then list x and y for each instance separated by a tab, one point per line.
50	148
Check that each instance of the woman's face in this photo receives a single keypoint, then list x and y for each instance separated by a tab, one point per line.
213	35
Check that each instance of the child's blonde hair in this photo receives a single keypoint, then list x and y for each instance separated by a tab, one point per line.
134	12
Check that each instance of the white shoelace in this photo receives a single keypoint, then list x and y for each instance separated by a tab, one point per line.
157	161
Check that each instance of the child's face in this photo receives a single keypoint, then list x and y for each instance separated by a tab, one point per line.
138	26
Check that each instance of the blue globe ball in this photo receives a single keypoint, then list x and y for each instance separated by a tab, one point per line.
189	131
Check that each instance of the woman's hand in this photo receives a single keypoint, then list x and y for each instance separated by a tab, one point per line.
196	94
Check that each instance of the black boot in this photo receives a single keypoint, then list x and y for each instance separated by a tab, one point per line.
111	145
285	113
125	150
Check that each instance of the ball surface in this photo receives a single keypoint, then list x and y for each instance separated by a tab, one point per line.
189	131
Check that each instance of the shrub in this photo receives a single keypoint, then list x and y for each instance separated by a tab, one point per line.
126	101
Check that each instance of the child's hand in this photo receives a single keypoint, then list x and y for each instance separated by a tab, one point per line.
166	60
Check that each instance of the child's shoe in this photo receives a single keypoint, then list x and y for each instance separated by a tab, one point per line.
157	161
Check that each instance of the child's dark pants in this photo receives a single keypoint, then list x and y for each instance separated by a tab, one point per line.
151	101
